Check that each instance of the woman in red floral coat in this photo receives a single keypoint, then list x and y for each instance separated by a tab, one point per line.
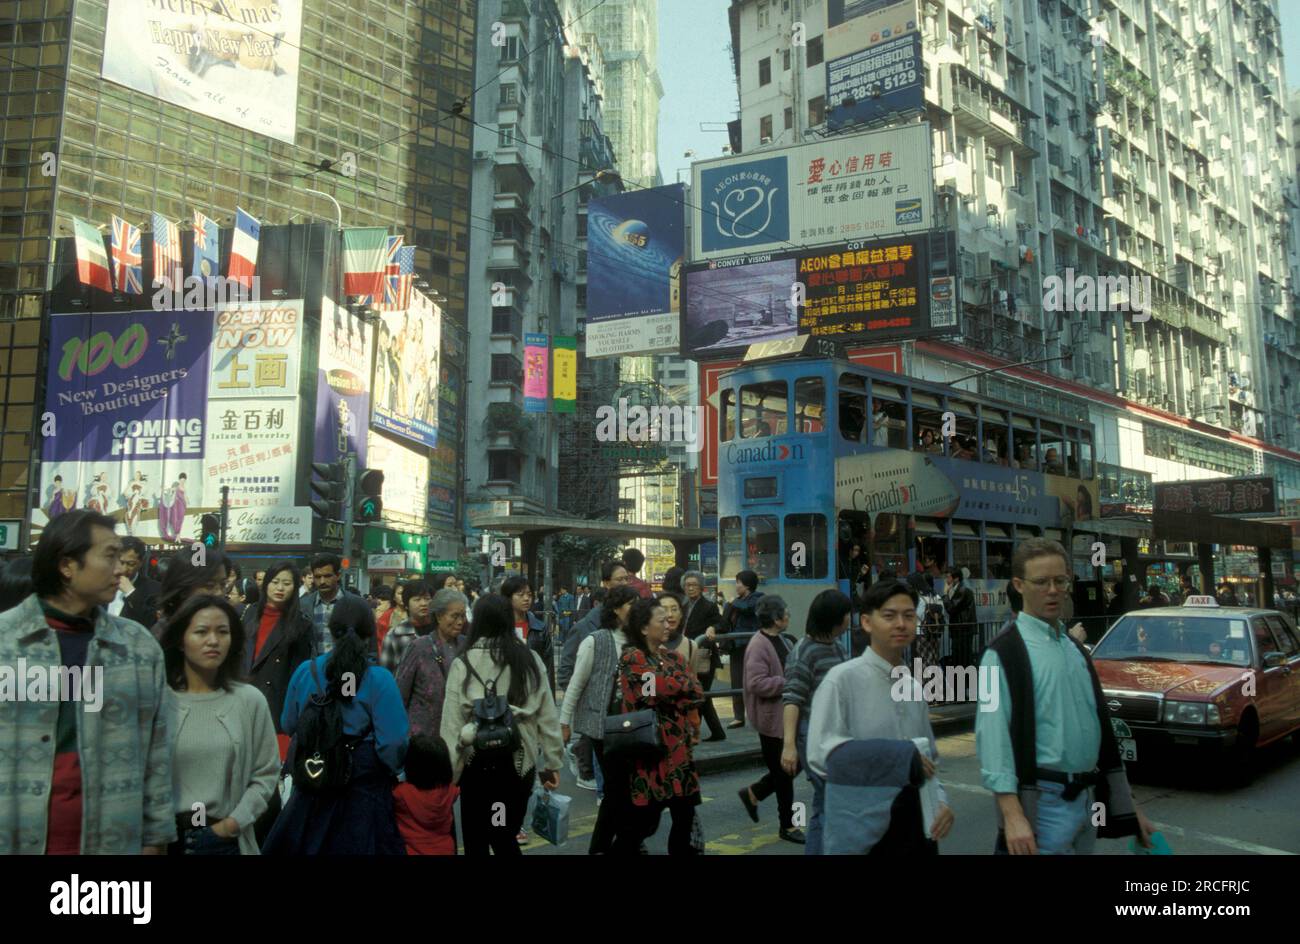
670	782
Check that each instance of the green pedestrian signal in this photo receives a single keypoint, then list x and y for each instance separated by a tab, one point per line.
370	502
210	528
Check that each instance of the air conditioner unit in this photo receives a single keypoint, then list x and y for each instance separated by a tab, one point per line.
765	140
481	155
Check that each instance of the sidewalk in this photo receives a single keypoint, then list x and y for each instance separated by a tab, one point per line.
741	748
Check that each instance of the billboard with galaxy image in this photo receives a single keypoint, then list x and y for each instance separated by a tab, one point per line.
635	246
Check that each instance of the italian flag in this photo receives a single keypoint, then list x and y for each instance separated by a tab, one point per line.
365	260
92	261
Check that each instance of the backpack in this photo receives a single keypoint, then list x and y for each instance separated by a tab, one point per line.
495	732
932	622
321	760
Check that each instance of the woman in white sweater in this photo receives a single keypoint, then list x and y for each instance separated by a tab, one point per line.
496	657
225	759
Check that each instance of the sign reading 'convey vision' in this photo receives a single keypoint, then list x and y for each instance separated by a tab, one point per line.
233	60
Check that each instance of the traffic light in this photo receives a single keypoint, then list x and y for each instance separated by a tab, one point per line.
328	487
210	526
369	492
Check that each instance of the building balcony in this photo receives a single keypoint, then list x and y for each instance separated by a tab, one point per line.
507	323
997	127
508	253
506	202
511	171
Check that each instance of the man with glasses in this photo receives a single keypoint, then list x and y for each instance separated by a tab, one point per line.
1044	740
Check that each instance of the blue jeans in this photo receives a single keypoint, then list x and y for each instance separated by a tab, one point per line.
1063	828
813	833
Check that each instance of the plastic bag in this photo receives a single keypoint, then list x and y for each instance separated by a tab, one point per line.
550	816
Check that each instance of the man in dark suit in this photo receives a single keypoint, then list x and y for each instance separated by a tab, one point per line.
583	602
141	602
701	621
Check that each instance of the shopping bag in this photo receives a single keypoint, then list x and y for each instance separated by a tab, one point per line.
551	816
697	834
1159	845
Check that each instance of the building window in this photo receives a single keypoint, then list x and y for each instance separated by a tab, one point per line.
582	226
765	129
503	321
503	466
816	110
510	51
582	260
506	136
785	60
764	14
765	70
509	93
504	227
582	296
789	118
506	369
815	51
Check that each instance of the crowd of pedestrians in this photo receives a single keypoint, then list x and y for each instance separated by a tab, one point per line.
270	731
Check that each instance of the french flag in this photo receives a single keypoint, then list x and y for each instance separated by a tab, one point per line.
243	249
92	261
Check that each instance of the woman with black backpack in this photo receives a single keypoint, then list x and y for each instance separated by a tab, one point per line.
349	733
498	717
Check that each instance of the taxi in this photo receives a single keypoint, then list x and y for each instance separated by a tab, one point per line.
1200	676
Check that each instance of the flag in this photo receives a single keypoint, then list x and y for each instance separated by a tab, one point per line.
166	249
566	374
397	283
128	261
243	248
92	261
365	261
205	247
536	361
390	269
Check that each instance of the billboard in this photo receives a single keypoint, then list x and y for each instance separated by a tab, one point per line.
840	188
406	480
1250	495
255	350
406	371
854	25
442	483
342	391
536	373
872	83
635	246
867	292
236	61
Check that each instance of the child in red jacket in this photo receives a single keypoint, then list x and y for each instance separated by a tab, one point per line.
423	802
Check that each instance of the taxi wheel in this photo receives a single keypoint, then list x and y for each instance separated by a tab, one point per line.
1244	756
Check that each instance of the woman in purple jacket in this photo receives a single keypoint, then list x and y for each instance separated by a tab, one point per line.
764	683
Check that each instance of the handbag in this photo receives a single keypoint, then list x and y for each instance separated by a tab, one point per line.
702	660
634	734
550	817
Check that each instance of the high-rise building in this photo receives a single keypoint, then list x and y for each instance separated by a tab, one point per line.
356	102
628	31
1148	139
540	153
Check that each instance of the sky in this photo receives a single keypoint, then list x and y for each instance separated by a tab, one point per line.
699	85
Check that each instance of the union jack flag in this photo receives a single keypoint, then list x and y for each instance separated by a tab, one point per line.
397	285
128	270
166	249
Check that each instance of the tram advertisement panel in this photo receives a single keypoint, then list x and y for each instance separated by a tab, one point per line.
894	481
860	291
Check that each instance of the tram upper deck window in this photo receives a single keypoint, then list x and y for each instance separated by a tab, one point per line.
853	408
764	409
1085	449
1052	449
888	415
996	451
728	415
927	423
1024	442
809	405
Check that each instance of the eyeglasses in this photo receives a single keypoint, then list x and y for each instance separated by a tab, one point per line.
1060	583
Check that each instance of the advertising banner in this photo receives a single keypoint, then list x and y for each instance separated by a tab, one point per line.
854	25
566	374
867	291
406	480
407	373
635	247
874	82
255	350
442	483
277	526
252	449
126	395
342	391
236	61
1251	495
841	188
536	384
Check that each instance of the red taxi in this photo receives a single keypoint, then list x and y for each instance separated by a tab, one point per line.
1200	676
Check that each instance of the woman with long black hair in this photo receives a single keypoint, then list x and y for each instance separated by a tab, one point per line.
498	660
359	819
530	627
187	577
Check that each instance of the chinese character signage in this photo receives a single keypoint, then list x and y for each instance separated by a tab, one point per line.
536	355
566	374
635	247
867	291
875	82
255	350
342	390
406	371
846	187
1254	495
126	395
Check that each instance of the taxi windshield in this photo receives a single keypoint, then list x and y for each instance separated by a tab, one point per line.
1222	641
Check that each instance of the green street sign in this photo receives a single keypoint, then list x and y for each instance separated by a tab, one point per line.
442	565
4	535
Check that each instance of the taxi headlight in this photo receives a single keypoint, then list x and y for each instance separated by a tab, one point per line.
1186	712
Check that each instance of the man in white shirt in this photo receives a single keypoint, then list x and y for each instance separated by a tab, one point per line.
874	697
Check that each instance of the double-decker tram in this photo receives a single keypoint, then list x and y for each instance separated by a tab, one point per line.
827	467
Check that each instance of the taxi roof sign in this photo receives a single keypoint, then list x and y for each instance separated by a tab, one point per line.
1200	601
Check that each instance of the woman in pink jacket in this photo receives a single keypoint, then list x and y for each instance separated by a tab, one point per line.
764	682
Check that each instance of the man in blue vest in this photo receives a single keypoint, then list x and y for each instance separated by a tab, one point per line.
1045	744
